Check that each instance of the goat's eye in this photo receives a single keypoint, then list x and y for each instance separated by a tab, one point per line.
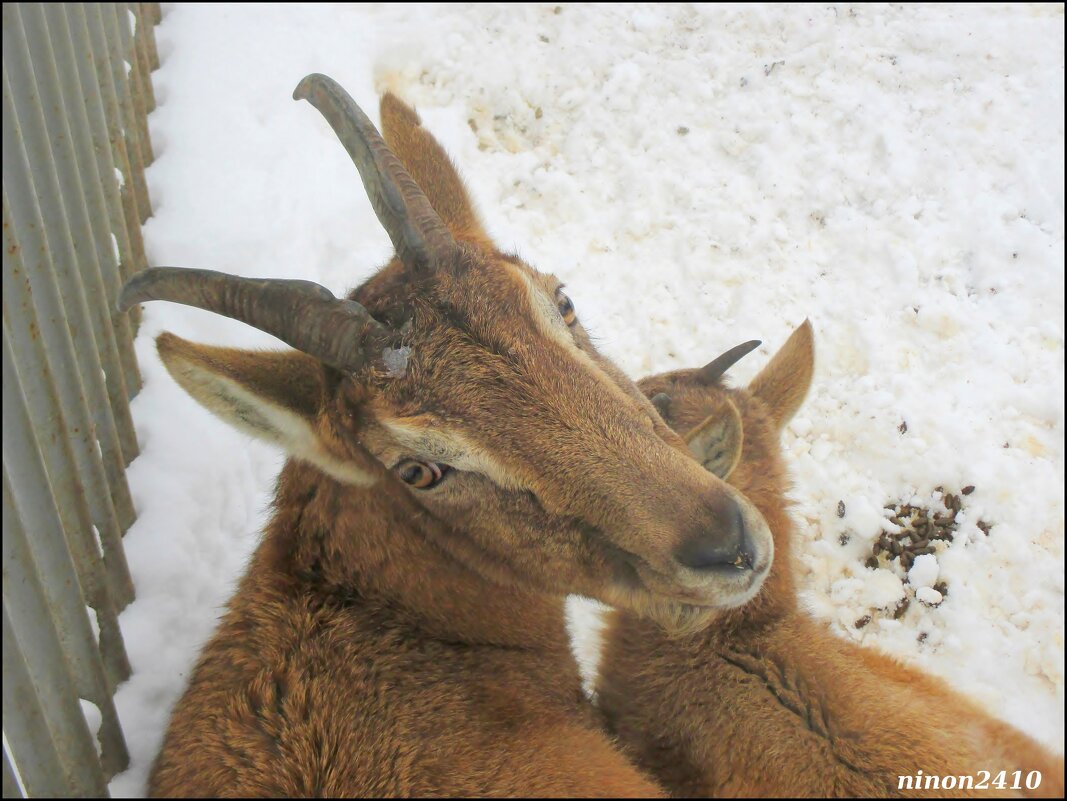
566	309
421	475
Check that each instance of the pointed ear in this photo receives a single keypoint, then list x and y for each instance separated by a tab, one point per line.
271	395
431	168
784	382
716	443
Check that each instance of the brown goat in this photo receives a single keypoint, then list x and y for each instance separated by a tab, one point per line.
463	459
767	701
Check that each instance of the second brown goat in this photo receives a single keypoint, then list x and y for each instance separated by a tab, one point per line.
767	701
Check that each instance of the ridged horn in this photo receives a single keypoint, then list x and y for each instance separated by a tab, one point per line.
302	314
713	370
419	236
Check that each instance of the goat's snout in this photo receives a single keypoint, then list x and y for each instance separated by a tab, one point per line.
722	546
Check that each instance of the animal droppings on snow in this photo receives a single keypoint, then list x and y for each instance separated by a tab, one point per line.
901	608
915	530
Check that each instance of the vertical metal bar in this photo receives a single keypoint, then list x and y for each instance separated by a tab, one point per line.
98	571
48	323
146	20
41	708
91	245
33	179
34	310
140	49
76	90
110	146
82	99
40	580
119	106
141	91
11	784
134	76
30	484
45	771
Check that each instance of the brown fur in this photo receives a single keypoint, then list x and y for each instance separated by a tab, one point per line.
394	641
377	667
767	701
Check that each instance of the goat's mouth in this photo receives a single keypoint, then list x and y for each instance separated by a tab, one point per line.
676	596
725	587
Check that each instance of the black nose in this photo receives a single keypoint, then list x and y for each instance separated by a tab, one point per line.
723	545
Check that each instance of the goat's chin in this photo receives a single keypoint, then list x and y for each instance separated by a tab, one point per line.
676	618
681	620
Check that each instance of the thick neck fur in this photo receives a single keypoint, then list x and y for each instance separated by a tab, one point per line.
376	546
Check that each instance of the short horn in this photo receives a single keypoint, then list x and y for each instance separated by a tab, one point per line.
713	370
662	402
420	237
302	314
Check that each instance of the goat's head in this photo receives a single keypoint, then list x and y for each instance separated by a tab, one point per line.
462	375
734	433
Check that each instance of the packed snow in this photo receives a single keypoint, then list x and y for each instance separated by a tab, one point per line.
699	176
928	595
924	572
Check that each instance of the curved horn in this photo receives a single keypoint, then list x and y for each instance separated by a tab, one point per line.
417	233
302	314
713	370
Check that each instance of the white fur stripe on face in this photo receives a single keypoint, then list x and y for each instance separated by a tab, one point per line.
550	323
448	447
434	442
545	312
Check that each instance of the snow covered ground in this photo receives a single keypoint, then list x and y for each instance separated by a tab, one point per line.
698	177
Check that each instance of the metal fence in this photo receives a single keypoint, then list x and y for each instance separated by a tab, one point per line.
77	91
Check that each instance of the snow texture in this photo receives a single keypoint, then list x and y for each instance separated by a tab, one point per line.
699	176
924	571
928	596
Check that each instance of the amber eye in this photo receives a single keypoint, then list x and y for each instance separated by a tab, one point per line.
566	309
421	475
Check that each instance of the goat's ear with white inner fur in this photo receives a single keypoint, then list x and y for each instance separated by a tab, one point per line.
271	395
716	443
783	384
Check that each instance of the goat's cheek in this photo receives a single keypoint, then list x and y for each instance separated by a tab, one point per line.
467	502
